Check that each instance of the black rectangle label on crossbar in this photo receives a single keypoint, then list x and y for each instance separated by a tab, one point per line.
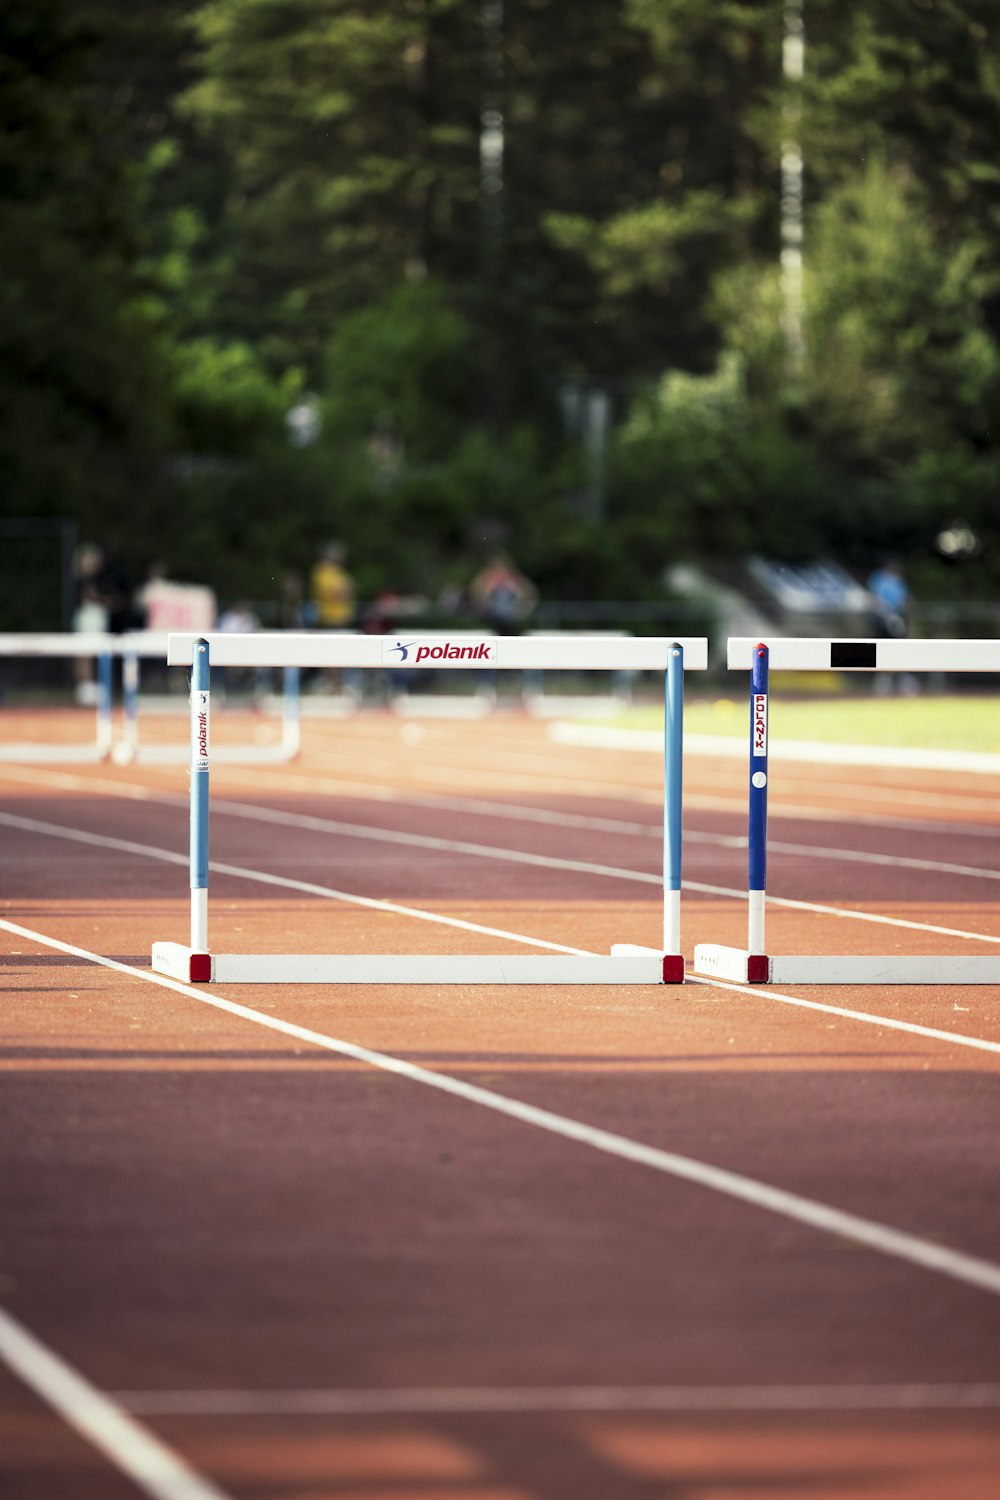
852	653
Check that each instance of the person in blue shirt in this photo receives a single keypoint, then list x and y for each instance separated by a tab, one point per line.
891	596
891	601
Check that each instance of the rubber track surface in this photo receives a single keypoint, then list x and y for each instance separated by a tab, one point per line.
311	1277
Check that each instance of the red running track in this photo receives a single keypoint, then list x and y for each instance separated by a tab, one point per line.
309	1275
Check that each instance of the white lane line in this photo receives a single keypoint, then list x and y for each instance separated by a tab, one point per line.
582	770
418	1401
701	802
481	851
101	1419
890	1023
899	1244
351	830
849	913
866	857
783	801
304	887
490	851
520	813
227	805
256	813
67	781
820	752
375	834
306	782
374	903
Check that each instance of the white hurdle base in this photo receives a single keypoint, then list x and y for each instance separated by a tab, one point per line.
712	960
638	966
672	963
441	705
24	752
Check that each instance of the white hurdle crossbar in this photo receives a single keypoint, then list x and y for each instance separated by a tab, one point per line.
544	705
626	964
753	964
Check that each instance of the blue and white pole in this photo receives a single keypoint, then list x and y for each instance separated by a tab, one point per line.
291	704
105	680
200	711
130	705
757	883
673	760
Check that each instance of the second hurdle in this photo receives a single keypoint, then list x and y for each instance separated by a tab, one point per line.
753	964
626	964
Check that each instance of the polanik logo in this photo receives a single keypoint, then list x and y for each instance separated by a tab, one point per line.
760	724
438	652
200	731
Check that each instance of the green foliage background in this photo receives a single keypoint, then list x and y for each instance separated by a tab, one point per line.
214	211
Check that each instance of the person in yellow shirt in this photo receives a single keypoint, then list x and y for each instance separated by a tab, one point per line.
332	589
332	604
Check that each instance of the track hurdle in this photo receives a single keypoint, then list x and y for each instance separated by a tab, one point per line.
131	647
130	748
626	964
753	964
66	644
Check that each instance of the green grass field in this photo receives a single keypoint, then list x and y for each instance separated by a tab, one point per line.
933	723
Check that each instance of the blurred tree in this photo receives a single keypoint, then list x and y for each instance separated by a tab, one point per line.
451	221
900	355
585	132
705	190
484	147
351	132
903	360
914	85
83	399
699	473
918	82
418	479
402	369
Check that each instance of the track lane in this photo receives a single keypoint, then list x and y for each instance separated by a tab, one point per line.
566	1308
511	1056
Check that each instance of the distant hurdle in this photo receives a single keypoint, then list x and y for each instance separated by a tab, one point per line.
135	645
626	964
74	645
753	964
131	647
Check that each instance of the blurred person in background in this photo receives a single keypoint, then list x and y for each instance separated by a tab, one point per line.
102	604
384	616
890	595
502	596
291	602
241	619
332	605
332	590
145	595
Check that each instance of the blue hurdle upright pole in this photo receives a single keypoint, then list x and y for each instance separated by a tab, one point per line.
200	711
757	883
673	753
130	705
105	694
291	738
